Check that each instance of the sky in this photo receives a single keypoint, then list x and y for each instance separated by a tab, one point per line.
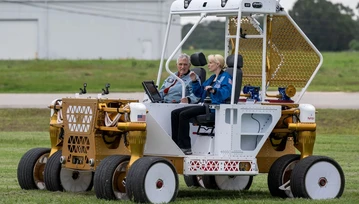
288	5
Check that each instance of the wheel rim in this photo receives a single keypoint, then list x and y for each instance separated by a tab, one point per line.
286	176
75	181
119	181
39	168
232	182
160	183
323	181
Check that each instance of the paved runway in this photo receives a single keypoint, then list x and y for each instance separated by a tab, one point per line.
335	100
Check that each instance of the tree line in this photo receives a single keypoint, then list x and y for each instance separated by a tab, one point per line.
331	27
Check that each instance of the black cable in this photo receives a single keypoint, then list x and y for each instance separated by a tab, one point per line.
259	128
87	13
297	117
122	11
259	124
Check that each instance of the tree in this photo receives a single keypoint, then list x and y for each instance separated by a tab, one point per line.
329	26
208	35
354	45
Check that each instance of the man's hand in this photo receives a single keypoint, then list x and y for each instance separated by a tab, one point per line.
184	100
193	76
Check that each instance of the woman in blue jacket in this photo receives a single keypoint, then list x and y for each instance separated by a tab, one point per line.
219	87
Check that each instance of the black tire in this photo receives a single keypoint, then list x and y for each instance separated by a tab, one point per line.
280	172
31	168
326	177
91	185
191	180
209	182
109	179
52	172
142	170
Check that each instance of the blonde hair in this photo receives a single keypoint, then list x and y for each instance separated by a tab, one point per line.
219	59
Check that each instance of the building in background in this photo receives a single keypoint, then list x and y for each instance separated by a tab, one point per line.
85	29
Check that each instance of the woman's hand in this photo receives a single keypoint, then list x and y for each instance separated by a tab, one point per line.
193	76
209	88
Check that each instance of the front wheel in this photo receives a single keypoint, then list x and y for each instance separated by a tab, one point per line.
152	180
76	181
317	177
110	178
52	172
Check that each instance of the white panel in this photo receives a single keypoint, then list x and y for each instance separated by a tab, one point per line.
147	49
18	39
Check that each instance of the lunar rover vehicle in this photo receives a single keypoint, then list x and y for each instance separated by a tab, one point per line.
123	148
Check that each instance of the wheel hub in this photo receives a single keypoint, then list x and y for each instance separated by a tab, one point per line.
159	183
322	182
75	175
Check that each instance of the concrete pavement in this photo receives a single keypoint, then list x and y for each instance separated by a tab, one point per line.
335	100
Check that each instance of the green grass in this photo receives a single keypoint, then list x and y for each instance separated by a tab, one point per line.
14	144
336	138
338	73
51	76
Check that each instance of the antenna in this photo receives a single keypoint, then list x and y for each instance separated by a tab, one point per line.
83	91
105	90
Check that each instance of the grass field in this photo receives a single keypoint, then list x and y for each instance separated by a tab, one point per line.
24	129
337	137
338	73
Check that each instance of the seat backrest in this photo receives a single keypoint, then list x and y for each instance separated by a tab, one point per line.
199	60
230	68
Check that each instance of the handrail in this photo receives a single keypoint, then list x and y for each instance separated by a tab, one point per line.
236	50
176	50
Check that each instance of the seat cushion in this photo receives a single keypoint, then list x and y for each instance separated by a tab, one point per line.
202	119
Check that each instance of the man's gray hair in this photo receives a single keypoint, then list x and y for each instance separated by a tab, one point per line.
184	56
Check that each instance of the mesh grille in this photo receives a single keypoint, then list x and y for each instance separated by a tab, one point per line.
79	118
78	144
290	58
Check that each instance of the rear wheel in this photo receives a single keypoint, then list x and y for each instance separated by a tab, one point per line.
30	170
52	172
193	180
209	182
280	174
152	180
237	183
317	177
